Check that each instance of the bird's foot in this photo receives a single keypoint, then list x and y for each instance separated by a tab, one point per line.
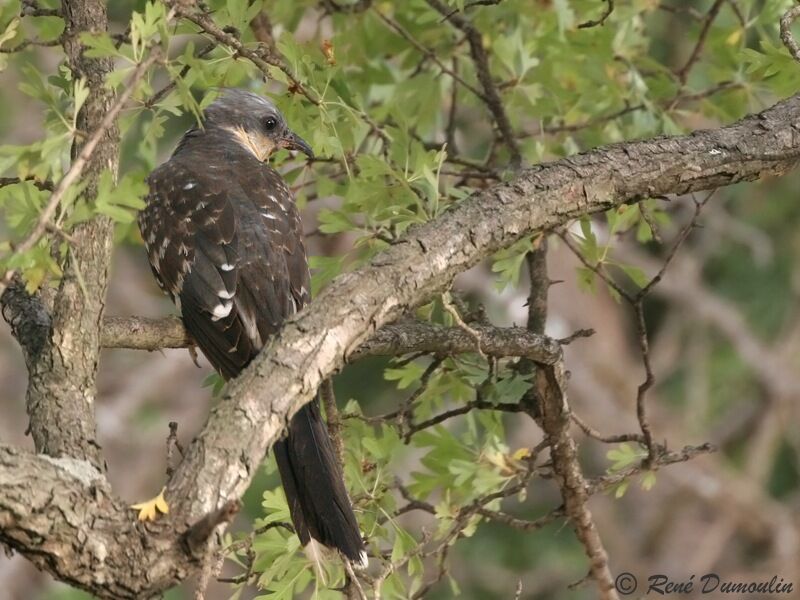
150	509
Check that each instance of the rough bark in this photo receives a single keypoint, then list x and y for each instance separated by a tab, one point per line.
61	386
140	333
402	337
56	511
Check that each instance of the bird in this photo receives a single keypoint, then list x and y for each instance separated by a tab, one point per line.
225	242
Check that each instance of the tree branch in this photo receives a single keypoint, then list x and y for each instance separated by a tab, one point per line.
61	386
141	333
403	337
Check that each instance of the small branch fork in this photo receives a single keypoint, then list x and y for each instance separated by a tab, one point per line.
636	301
490	96
263	59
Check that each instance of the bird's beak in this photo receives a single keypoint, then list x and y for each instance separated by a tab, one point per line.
292	141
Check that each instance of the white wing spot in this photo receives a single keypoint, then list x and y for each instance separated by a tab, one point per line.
226	267
269	216
221	310
189	185
225	294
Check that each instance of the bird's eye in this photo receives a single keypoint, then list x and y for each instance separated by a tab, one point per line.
271	123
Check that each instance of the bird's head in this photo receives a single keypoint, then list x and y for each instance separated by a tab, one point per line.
254	122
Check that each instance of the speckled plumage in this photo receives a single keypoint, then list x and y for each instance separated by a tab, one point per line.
225	241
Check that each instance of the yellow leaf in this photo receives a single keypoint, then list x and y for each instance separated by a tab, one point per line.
734	37
521	454
148	511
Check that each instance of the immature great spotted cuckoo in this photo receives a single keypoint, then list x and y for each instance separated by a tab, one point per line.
225	241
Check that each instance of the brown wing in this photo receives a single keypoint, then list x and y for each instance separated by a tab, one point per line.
230	255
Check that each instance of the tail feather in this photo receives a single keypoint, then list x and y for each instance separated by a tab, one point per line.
314	486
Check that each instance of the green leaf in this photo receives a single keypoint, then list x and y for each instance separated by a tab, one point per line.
624	456
637	275
404	376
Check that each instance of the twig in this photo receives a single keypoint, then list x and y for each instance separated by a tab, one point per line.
246	545
405	415
606	439
477	404
683	73
56	230
44	186
156	97
195	539
355	7
450	129
522	524
142	333
687	10
636	301
416	338
665	458
429	54
453	312
472	4
27	43
787	38
491	97
580	333
263	60
31	8
602	20
440	573
538	286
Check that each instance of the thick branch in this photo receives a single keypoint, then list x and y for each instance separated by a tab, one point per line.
403	337
141	333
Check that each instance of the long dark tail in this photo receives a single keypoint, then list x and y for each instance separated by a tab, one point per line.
314	486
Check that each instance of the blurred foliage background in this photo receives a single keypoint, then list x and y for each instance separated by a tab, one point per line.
389	96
